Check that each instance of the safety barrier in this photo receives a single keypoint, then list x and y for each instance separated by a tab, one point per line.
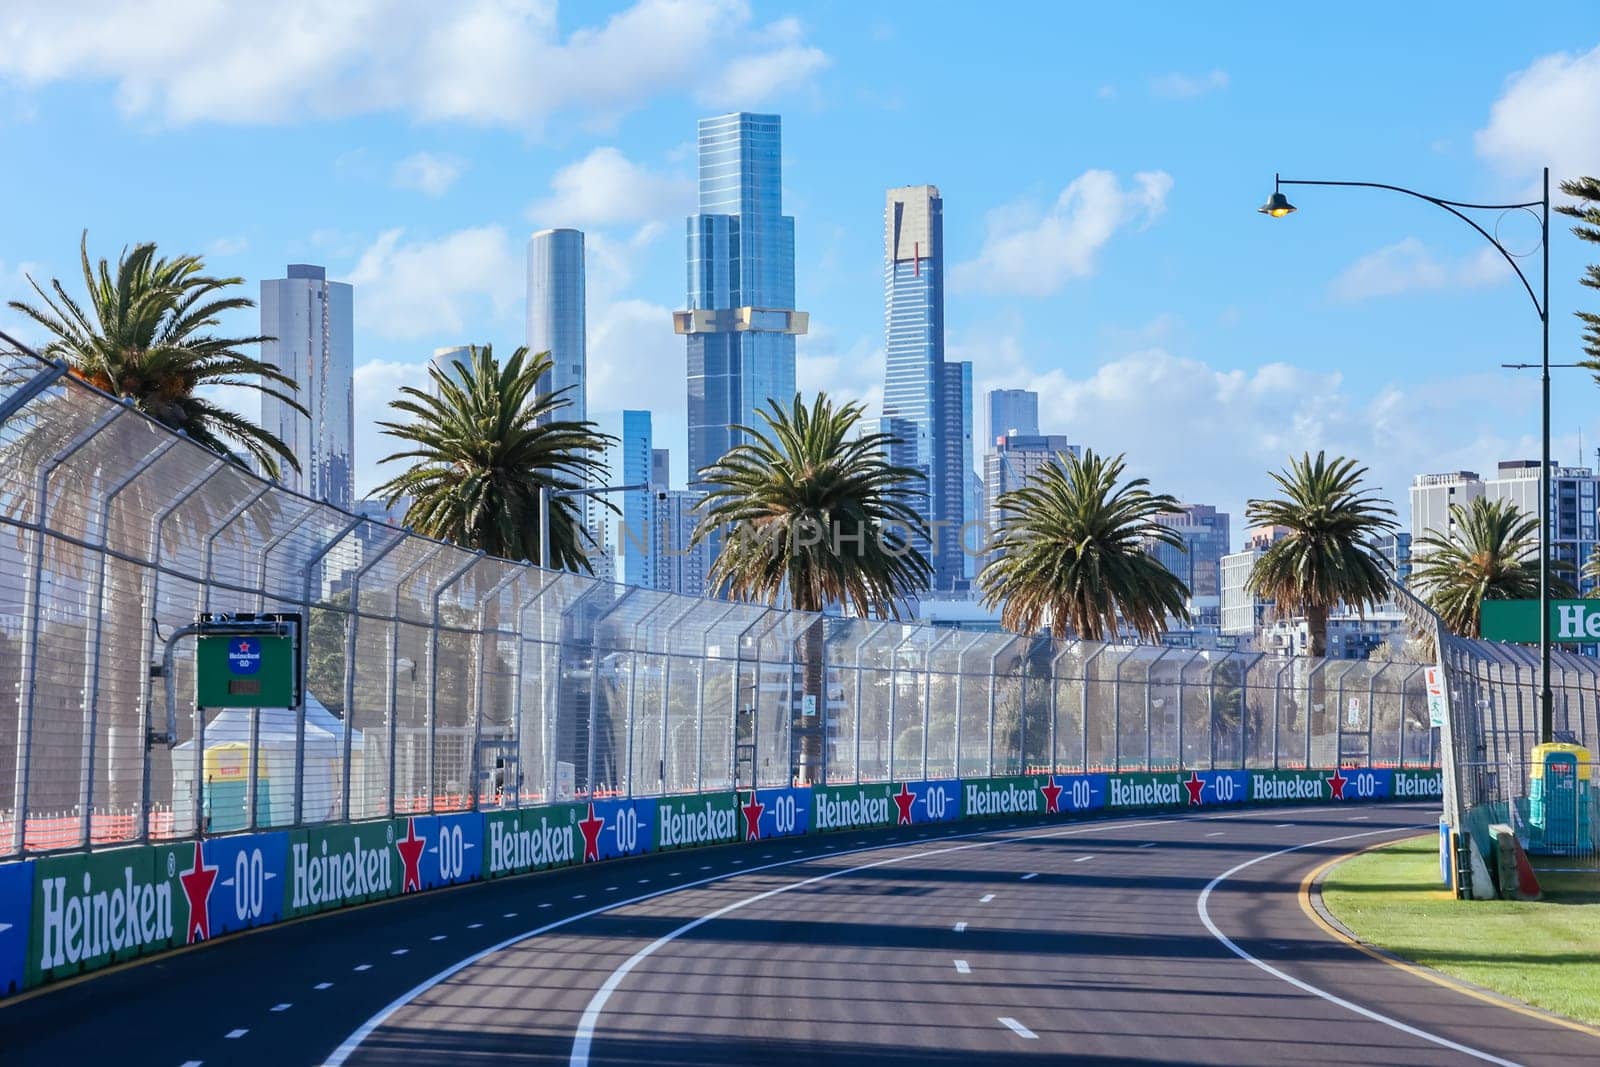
67	914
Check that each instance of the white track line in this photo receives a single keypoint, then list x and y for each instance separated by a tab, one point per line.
346	1048
962	967
1017	1028
986	898
1026	877
1082	859
1203	906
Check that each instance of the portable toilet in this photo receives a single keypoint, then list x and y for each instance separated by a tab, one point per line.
1558	798
227	789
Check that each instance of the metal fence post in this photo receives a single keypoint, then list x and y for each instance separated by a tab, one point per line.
28	668
1088	664
311	568
927	696
91	671
475	758
1149	710
431	704
351	633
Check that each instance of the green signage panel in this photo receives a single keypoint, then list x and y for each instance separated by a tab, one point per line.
1572	622
252	671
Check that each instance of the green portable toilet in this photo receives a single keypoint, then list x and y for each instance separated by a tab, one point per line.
1558	798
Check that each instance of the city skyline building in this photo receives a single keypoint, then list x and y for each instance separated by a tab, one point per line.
740	324
1205	534
1013	460
1011	411
679	566
634	536
556	322
661	468
445	359
310	322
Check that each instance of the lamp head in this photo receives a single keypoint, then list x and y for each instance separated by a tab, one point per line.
1277	206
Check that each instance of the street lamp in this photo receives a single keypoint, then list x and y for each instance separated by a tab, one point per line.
548	495
1278	206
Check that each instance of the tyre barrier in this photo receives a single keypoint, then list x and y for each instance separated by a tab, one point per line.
62	915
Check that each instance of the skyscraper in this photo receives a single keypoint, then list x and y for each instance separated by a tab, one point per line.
1205	536
661	468
680	567
310	320
634	537
556	315
1011	411
1014	460
445	360
927	403
740	324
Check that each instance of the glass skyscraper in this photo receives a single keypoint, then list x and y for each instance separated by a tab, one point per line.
1012	411
740	323
556	316
927	403
635	536
310	321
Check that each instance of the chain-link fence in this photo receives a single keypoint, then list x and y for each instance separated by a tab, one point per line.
1494	718
440	679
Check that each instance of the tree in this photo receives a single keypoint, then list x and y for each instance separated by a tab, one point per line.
1072	554
484	442
147	338
1326	557
810	511
1587	190
811	515
1490	553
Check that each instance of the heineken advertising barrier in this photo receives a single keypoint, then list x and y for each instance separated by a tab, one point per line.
66	914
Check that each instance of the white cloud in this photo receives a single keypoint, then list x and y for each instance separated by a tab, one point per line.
227	246
635	360
427	173
784	65
1408	266
1547	115
1211	435
825	362
504	62
377	383
1106	92
462	284
1035	253
606	187
1176	86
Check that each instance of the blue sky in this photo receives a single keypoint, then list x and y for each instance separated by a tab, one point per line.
1100	169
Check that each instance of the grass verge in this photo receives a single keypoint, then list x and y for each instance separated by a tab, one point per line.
1546	954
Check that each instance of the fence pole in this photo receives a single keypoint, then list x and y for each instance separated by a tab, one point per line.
28	669
431	703
351	522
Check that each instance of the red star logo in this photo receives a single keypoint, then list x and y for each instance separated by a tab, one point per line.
197	887
752	817
244	646
1195	787
1336	783
904	799
591	828
1052	795
410	848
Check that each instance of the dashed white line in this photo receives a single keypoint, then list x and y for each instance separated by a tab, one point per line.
1148	844
706	867
1017	1028
192	1063
1358	818
282	1007
961	928
323	985
363	967
962	968
509	915
1025	877
579	896
1215	833
234	1035
738	863
612	888
474	926
1281	825
1083	859
674	874
644	881
438	937
986	898
399	952
766	855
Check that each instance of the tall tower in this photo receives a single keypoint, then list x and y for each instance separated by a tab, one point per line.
740	323
556	316
310	319
634	538
927	403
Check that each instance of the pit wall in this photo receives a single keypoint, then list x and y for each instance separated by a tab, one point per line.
67	914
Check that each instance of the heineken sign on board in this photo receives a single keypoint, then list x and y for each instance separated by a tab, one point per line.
850	807
1572	622
708	819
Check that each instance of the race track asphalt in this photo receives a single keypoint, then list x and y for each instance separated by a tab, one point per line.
974	943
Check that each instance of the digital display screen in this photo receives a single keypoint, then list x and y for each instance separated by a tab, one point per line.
244	687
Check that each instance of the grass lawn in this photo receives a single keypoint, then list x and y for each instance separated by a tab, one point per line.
1546	954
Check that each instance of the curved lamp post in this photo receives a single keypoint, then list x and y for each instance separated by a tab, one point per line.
1278	206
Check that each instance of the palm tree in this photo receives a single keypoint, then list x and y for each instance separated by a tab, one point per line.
484	441
813	515
810	512
1491	553
147	338
1591	571
1072	553
1326	557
